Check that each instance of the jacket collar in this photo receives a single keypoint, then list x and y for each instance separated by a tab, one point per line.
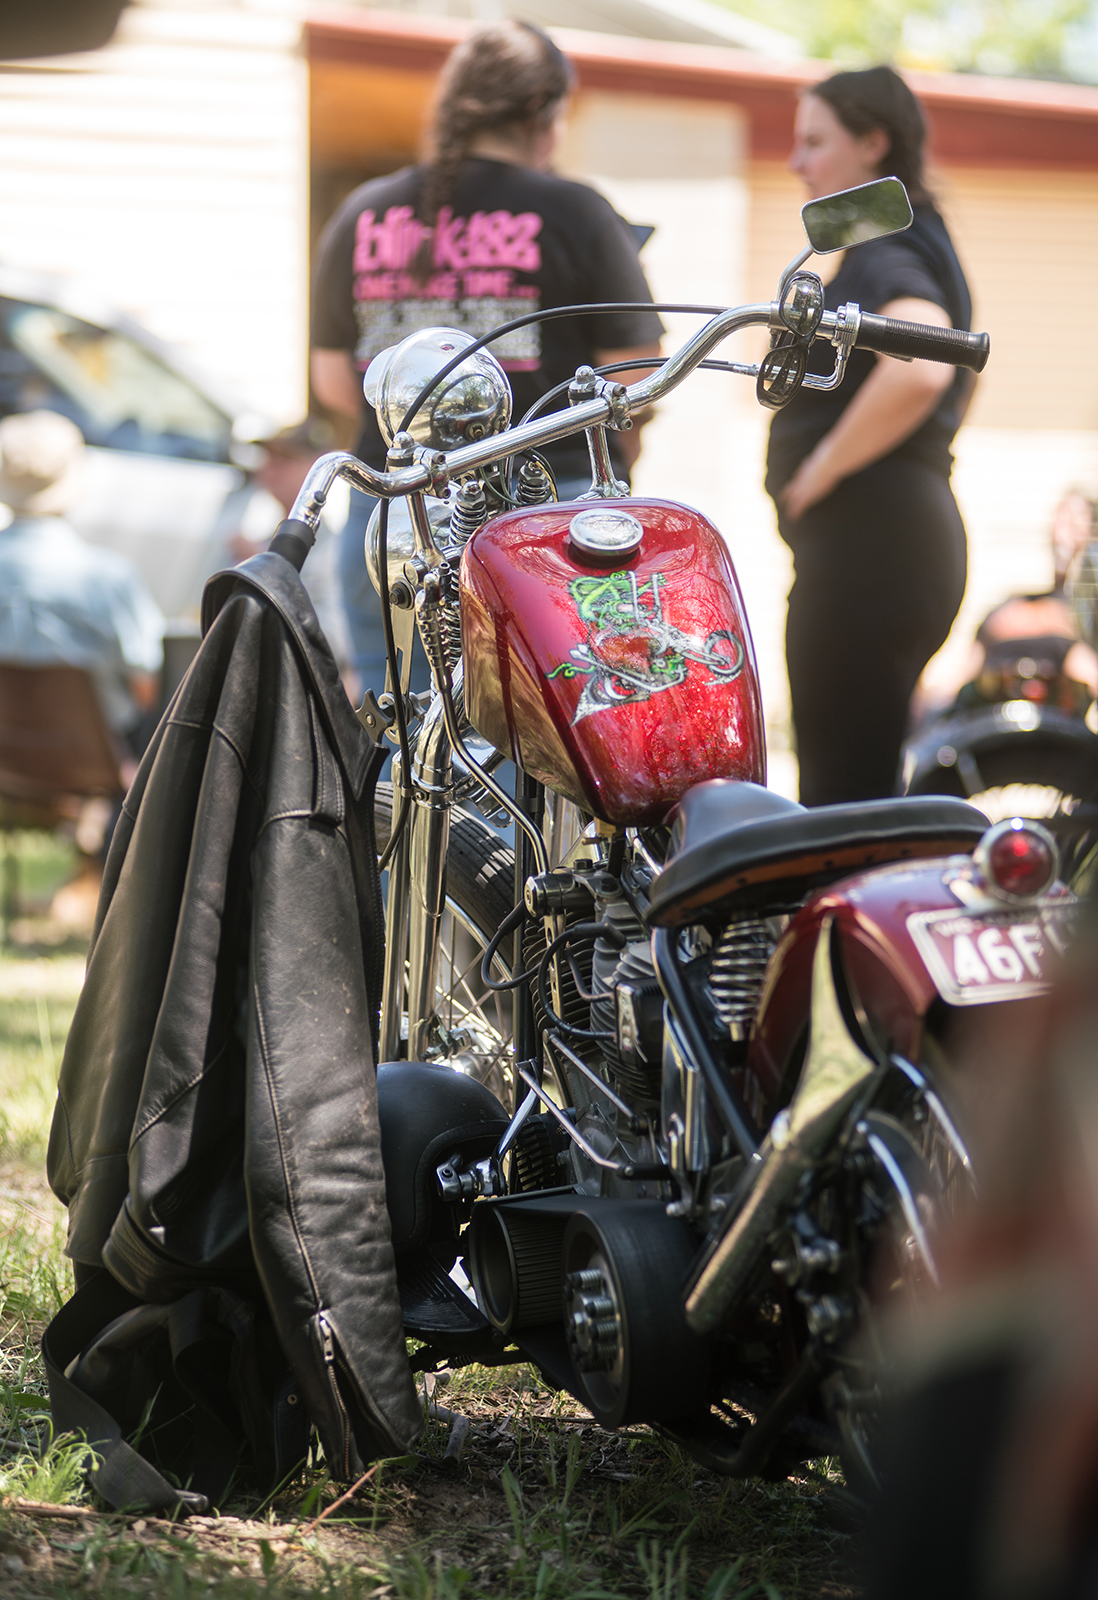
276	580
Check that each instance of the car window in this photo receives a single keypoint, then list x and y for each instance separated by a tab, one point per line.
117	392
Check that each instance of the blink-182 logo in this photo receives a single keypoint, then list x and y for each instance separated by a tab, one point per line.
631	652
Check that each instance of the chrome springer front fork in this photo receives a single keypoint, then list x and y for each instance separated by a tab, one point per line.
417	878
417	893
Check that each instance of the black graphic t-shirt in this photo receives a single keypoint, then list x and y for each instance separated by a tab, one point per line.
920	264
510	242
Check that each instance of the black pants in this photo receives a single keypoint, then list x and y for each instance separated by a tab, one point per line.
879	577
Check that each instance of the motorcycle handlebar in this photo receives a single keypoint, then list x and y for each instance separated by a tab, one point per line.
293	540
432	470
888	336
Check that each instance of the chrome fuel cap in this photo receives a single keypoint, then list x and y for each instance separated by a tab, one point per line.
605	531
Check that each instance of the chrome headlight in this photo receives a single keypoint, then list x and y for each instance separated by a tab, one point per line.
471	402
400	542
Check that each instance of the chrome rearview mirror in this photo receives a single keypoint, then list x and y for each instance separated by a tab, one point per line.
834	222
854	216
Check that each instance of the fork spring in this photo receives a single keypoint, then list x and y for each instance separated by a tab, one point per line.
533	487
470	510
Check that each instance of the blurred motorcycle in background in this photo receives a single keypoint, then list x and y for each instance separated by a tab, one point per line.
1019	736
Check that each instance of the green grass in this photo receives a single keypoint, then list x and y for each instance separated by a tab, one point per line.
52	1473
544	1505
44	862
37	1000
40	980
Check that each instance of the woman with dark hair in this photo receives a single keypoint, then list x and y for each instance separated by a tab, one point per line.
860	475
480	233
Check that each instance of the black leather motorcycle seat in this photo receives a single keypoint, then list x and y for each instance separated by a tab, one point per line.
735	842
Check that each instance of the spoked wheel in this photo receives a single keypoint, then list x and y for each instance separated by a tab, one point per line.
915	1176
472	1031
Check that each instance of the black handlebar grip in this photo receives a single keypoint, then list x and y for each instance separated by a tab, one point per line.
891	337
293	540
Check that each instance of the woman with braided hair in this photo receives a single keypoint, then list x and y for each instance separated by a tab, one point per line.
479	233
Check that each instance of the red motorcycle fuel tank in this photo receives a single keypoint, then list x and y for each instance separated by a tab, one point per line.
617	679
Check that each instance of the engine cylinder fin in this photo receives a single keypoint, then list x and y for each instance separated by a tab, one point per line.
536	1150
627	986
737	970
573	1008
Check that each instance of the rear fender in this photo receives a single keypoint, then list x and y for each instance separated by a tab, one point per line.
884	988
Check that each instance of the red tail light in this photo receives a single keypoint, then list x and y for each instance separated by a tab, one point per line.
1017	859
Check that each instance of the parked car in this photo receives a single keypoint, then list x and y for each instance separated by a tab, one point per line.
169	453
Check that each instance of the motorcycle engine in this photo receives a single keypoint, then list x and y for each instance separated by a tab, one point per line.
609	997
627	1005
726	976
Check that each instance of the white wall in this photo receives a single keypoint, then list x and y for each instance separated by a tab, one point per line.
681	166
169	171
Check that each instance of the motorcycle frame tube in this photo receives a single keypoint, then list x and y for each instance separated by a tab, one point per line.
530	830
530	794
396	941
421	530
629	1170
417	880
428	844
429	831
728	1103
834	1078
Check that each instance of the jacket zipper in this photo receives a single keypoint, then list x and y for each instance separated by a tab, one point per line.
327	1344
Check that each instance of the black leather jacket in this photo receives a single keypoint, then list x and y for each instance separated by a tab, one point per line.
217	1110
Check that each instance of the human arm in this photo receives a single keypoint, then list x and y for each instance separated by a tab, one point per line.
145	688
1081	665
333	329
895	400
337	383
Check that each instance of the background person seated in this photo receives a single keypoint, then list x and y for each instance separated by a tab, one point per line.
62	600
287	457
1028	647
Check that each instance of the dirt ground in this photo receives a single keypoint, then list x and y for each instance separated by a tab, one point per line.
541	1501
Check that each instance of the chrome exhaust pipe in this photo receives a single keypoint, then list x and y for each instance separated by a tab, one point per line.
834	1073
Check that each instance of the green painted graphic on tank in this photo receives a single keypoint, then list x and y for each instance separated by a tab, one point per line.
631	652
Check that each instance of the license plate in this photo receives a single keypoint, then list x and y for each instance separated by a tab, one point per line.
992	955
